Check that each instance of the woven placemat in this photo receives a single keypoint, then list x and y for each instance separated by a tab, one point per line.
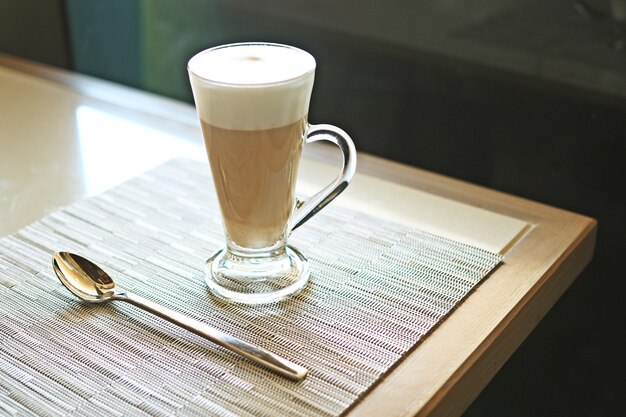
377	289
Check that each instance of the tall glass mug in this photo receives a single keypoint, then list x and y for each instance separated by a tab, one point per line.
252	101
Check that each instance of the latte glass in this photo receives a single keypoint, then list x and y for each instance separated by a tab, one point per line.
253	100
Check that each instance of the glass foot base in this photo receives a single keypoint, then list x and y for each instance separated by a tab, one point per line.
256	280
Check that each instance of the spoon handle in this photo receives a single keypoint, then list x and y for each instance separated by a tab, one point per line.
257	354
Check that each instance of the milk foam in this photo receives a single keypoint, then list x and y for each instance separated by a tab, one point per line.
252	86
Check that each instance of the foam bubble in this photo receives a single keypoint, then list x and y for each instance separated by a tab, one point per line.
252	86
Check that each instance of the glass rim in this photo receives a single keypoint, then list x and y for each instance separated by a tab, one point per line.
253	85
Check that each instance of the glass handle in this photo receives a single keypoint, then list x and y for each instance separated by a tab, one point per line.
305	209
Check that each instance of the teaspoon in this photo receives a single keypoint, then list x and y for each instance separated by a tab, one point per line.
91	283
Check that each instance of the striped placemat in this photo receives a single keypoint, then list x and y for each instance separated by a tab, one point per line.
377	289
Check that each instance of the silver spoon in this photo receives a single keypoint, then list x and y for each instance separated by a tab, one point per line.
89	282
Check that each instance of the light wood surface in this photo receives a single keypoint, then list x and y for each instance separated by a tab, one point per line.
48	164
412	207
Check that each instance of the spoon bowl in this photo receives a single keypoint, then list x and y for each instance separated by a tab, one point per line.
91	283
83	278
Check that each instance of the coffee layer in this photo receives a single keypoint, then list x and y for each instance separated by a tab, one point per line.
254	174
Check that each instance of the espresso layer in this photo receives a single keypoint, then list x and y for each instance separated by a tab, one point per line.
254	174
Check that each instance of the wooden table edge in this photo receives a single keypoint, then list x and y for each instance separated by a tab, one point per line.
470	380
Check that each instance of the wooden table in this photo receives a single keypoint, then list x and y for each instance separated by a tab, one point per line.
64	136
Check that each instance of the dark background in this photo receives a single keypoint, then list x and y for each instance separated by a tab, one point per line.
524	96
